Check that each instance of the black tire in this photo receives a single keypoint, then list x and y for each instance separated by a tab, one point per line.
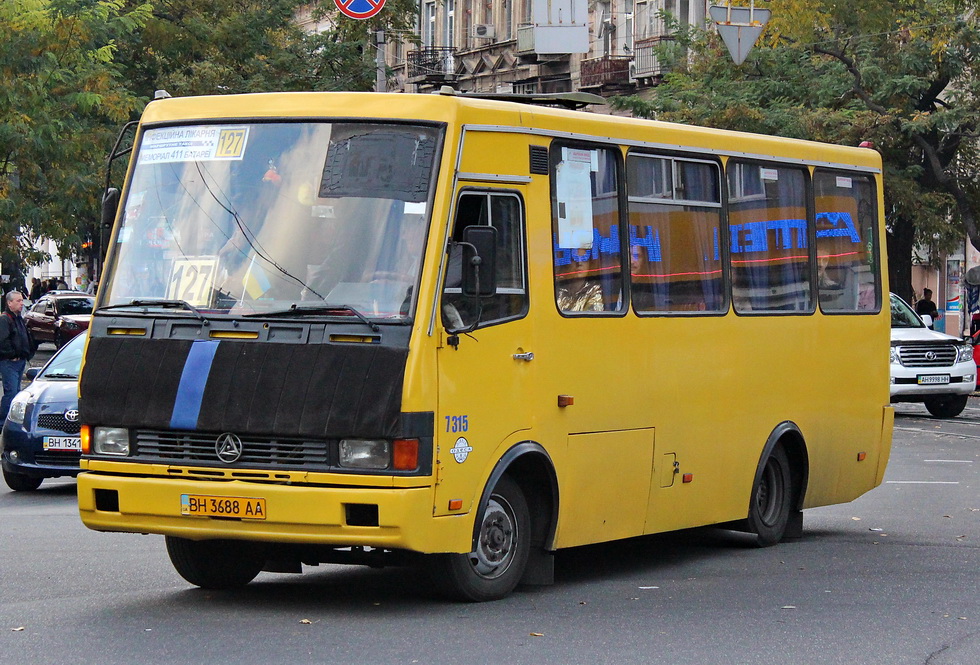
948	406
215	564
771	501
497	565
19	482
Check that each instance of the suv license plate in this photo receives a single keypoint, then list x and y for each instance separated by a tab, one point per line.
240	507
933	379
61	443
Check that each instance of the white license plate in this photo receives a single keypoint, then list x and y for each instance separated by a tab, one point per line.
61	443
933	379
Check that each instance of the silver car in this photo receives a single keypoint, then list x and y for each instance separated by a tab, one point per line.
928	366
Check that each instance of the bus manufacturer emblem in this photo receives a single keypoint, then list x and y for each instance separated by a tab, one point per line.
461	449
228	448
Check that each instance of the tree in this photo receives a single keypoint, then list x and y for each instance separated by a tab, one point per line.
232	46
61	103
900	74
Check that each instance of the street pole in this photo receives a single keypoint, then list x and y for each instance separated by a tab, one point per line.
381	83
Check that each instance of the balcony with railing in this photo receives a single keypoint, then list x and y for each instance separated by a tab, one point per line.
647	63
432	64
607	71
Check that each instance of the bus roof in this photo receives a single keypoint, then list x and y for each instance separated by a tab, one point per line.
476	112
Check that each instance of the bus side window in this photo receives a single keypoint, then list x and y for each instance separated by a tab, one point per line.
585	213
504	212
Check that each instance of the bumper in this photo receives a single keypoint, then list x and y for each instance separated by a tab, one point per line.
24	455
905	385
294	513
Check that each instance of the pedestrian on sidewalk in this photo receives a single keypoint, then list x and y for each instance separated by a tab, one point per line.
16	348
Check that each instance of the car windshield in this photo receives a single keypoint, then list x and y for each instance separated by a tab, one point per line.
75	306
253	219
903	316
67	362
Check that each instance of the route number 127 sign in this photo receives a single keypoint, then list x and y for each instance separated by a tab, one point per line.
359	9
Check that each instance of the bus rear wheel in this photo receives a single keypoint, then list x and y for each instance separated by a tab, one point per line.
495	567
215	564
772	498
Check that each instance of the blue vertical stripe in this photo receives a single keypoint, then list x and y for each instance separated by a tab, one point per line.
190	392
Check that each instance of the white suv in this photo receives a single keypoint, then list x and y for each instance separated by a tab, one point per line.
927	366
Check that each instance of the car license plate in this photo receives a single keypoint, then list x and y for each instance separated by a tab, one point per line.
241	507
933	379
61	443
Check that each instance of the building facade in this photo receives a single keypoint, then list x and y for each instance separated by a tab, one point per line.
538	46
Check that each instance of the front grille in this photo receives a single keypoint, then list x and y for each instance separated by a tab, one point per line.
57	422
927	355
66	458
197	447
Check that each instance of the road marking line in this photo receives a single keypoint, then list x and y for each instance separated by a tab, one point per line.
950	461
922	482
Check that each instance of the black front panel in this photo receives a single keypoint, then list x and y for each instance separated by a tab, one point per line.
311	387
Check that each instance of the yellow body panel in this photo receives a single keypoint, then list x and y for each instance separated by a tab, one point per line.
648	392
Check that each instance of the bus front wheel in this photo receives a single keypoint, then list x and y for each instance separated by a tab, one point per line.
215	564
772	498
494	568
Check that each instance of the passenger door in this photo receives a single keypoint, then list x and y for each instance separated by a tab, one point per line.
485	374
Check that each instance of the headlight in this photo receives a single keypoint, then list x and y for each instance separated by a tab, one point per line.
893	358
964	353
69	325
18	407
365	453
110	441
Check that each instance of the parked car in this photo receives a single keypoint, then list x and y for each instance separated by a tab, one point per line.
928	366
40	438
58	316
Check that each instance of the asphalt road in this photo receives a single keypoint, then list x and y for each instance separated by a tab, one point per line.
890	579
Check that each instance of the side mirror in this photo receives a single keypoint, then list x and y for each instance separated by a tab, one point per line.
926	319
479	261
31	373
110	204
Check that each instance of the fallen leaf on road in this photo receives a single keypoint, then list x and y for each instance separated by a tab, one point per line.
875	529
856	519
537	634
18	629
306	621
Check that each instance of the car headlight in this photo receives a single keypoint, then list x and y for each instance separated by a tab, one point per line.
110	441
893	358
365	453
18	406
69	325
964	353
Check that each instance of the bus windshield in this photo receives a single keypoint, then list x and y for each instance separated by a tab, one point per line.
268	218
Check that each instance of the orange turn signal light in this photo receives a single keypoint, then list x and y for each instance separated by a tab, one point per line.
688	477
86	436
862	456
455	504
405	455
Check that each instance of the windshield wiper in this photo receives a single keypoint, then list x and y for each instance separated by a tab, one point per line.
158	302
304	310
60	375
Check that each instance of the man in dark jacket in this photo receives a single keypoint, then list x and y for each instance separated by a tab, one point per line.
16	348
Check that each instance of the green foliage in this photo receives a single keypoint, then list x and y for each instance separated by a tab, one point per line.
60	104
901	74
